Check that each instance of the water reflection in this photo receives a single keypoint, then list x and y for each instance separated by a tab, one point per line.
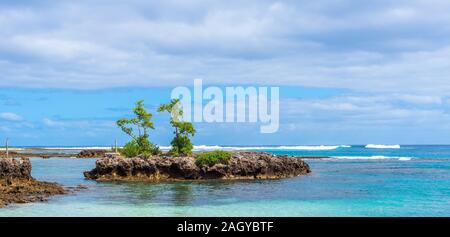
193	193
182	194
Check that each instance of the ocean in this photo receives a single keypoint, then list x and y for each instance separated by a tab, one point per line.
360	180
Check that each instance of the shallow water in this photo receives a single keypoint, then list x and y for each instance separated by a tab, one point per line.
337	187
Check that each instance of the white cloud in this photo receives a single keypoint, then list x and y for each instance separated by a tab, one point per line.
52	123
390	47
352	111
91	125
61	49
10	116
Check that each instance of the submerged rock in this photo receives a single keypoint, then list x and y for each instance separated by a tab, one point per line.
242	165
18	186
11	154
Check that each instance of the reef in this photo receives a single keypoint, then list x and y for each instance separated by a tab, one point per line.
241	165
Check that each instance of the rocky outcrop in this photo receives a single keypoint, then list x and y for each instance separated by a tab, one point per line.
27	190
18	186
91	154
36	153
12	168
242	165
11	154
258	165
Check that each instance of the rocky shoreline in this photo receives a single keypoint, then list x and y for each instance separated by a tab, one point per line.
91	153
34	154
241	165
18	186
37	153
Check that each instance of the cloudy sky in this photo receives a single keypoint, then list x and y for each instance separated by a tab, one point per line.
350	72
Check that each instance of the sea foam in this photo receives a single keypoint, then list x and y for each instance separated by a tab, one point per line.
372	158
215	147
306	148
243	148
375	146
76	148
404	158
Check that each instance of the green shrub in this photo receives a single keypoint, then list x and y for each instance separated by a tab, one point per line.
213	157
133	149
181	146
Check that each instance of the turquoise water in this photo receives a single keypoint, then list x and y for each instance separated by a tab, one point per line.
410	181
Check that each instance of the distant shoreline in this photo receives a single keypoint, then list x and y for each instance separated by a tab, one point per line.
56	153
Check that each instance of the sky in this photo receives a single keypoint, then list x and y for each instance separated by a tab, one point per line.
349	71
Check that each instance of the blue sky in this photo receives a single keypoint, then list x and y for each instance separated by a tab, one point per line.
350	72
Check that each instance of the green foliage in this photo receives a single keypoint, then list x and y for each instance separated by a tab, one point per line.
213	157
142	122
181	143
132	149
137	128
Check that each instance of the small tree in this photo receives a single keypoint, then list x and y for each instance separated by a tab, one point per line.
137	128
181	143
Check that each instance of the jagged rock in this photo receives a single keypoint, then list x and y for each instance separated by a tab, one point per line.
12	168
18	186
242	165
91	154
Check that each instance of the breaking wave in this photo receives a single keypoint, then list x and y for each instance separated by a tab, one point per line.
215	147
375	146
74	148
237	148
371	158
404	158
